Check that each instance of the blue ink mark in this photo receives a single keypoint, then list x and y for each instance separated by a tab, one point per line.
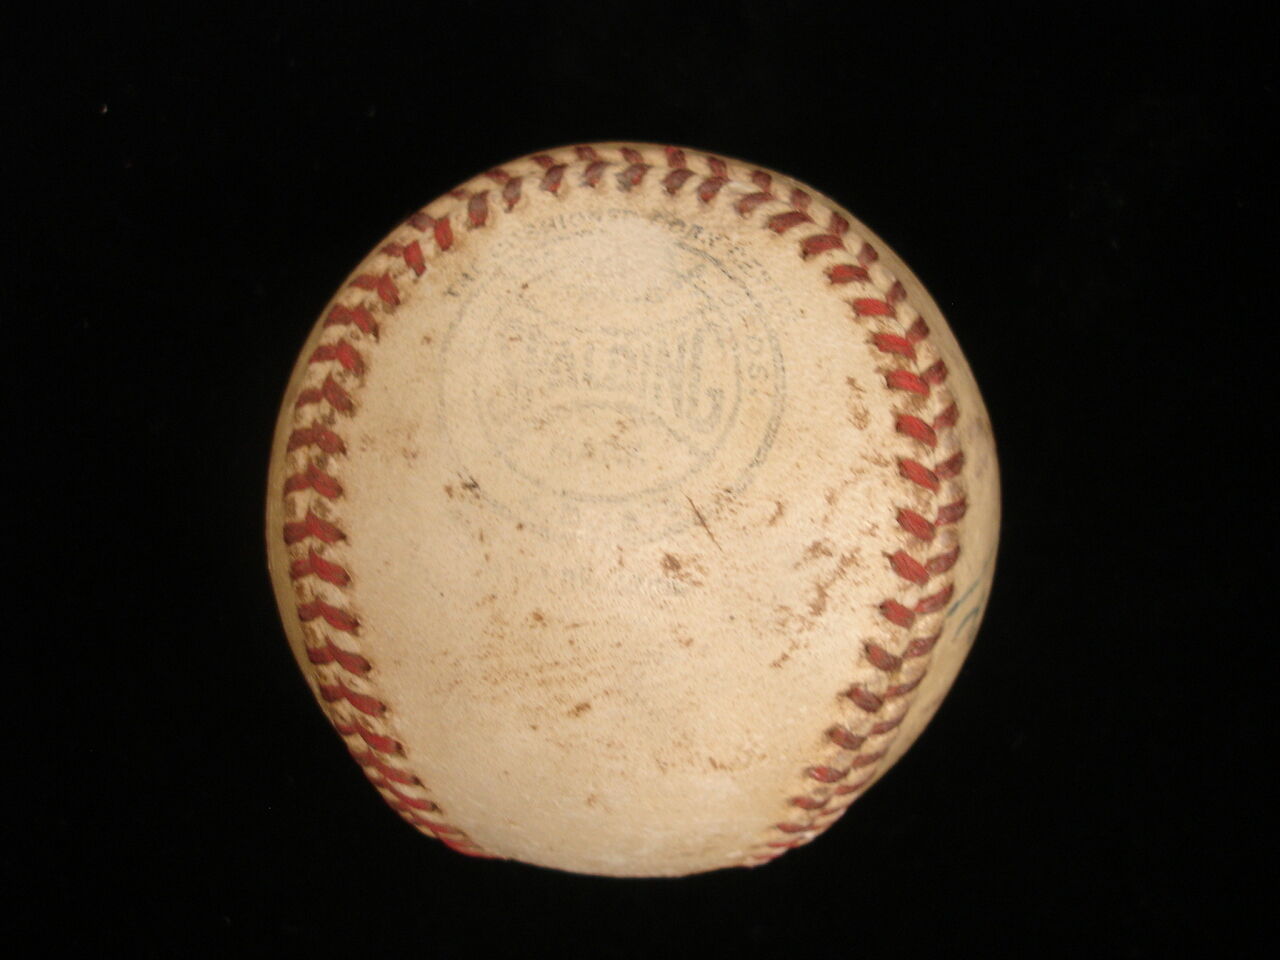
982	575
975	612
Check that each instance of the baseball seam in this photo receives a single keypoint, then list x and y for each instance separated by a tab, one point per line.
930	461
925	415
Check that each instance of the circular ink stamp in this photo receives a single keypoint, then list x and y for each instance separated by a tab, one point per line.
605	366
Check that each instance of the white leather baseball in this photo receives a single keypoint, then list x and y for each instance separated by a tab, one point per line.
631	511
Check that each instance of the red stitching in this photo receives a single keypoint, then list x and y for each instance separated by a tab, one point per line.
916	525
845	789
792	827
382	285
356	316
867	759
382	744
368	758
902	689
908	567
441	230
809	803
431	825
848	273
947	418
632	176
315	565
747	205
329	392
478	209
337	692
411	254
845	738
398	799
918	473
552	179
892	343
330	653
336	617
343	352
950	467
511	192
907	380
782	222
467	849
827	774
676	179
885	726
865	699
917	429
873	307
922	645
709	188
312	526
882	659
943	562
315	479
812	246
935	602
318	436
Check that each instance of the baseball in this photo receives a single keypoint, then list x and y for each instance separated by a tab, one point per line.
631	511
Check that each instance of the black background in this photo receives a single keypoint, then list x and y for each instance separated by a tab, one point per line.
1093	204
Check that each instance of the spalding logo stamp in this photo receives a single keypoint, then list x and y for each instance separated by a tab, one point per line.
636	396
